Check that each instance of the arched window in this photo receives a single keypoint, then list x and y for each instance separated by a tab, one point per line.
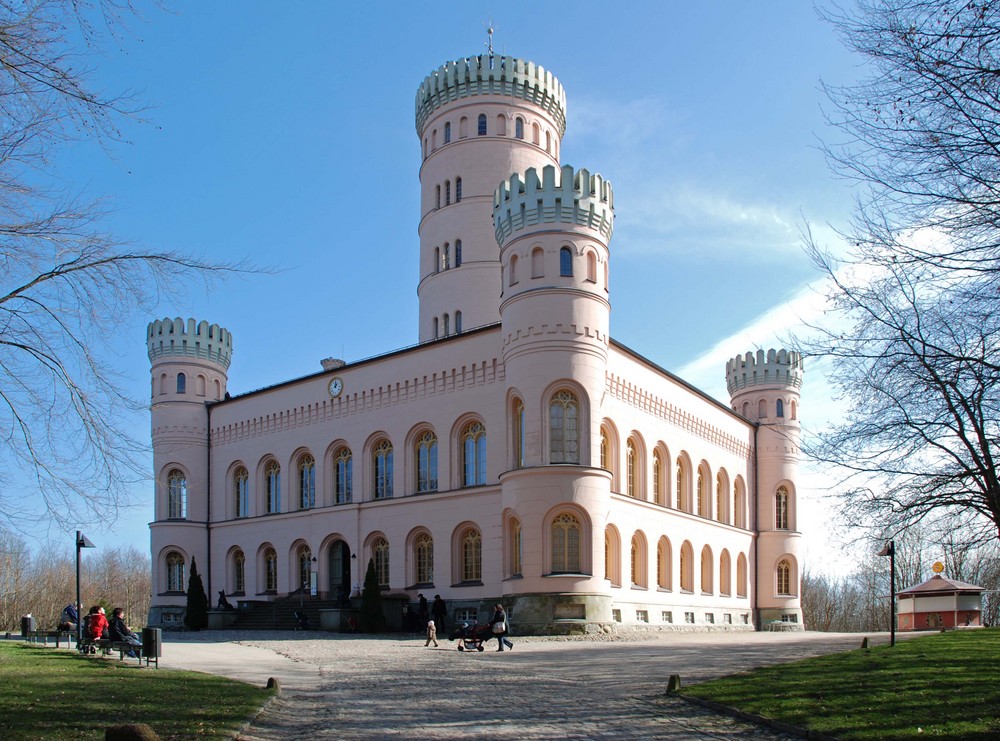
472	555
423	557
658	478
534	133
445	321
435	323
447	192
463	127
630	468
612	557
458	322
639	570
176	495
437	196
515	547
605	450
427	462
175	572
513	270
762	409
199	385
481	125
564	428
501	125
272	486
784	577
548	141
239	572
241	491
434	139
343	485
307	482
181	383
270	570
739	504
721	501
707	587
565	261
682	486
474	454
725	574
537	263
380	555
663	565
382	470
779	408
566	544
781	508
437	259
304	559
591	267
741	576
703	495
687	567
447	132
794	410
458	192
519	128
518	427
458	245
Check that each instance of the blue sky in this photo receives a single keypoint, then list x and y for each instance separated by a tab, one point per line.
285	133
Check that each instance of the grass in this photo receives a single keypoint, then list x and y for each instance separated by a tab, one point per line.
56	694
941	686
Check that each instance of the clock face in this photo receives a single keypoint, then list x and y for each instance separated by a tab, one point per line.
336	386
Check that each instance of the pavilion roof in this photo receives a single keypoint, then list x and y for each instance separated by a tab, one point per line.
938	584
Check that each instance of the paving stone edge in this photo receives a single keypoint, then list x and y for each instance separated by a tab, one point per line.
776	725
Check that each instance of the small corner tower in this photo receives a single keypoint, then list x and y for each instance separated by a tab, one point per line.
478	119
189	362
553	229
764	388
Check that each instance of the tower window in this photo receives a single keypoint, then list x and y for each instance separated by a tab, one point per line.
458	253
458	322
458	190
181	383
565	262
176	495
779	408
519	128
437	196
447	256
447	132
482	124
564	428
382	468
423	557
781	509
427	463
447	192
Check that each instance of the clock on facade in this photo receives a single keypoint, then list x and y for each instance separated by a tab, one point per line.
336	386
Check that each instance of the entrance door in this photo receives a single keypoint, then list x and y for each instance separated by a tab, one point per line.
340	569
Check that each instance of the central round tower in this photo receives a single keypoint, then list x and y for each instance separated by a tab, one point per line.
479	120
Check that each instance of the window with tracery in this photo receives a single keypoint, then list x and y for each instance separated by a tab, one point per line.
343	476
458	242
423	556
519	128
605	450
239	572
241	492
427	462
663	580
472	555
565	262
481	124
272	486
657	478
270	570
784	577
458	198
447	132
687	567
474	454
720	499
630	468
702	503
681	485
382	470
518	434
565	544
564	428
307	482
781	508
175	572
515	547
380	555
304	557
176	495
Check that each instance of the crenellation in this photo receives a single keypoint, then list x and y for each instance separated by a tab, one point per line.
776	367
179	338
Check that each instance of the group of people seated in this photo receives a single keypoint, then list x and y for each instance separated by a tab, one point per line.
96	626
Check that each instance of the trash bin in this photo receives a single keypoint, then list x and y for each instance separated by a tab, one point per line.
152	641
27	625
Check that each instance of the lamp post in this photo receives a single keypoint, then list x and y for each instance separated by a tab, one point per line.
81	542
890	551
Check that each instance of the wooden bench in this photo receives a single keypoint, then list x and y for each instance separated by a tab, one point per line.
106	646
43	636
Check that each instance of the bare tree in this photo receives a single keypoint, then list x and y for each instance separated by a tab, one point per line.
66	284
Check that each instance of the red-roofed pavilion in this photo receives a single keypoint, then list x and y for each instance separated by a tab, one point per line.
940	603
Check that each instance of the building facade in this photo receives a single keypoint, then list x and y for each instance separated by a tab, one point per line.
517	453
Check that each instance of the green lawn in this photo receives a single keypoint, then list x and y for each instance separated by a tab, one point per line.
51	693
941	686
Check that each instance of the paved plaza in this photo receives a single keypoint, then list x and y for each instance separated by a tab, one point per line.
337	686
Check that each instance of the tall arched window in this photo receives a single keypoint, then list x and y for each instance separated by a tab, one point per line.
501	125
515	547
591	267
707	564
784	577
343	485
458	195
176	495
423	557
518	427
382	470
565	544
239	572
304	559
630	468
565	261
437	259
272	486
725	574
427	462
781	508
458	322
181	383
721	504
472	555
639	570
564	431
435	323
307	482
447	192
682	486
703	495
445	324
741	576
241	491
463	127
657	478
663	565
437	196
175	572
687	567
447	132
779	408
446	257
380	555
538	263
458	244
270	570
739	504
519	128
474	454
481	131
605	450
513	270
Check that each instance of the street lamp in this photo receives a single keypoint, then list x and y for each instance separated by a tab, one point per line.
82	541
890	551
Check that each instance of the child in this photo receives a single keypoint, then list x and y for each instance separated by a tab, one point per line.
431	634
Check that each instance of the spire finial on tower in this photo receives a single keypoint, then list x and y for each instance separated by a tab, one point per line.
489	38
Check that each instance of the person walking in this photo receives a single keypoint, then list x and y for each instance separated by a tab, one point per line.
501	628
431	634
439	611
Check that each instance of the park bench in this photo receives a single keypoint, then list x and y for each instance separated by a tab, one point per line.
43	636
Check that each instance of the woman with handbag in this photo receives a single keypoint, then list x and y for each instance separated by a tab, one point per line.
500	628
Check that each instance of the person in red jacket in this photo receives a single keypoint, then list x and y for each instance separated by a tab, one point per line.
97	624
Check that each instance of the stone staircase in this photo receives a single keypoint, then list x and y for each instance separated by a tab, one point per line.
280	615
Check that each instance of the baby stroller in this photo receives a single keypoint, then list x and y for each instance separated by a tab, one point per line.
303	620
471	637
